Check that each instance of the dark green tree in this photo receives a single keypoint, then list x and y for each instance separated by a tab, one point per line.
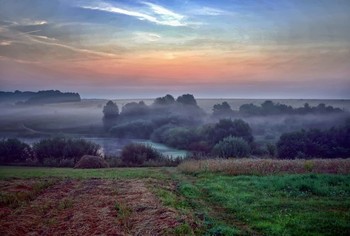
166	100
222	110
227	127
187	99
13	150
110	110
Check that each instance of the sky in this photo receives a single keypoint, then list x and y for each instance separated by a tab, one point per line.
145	49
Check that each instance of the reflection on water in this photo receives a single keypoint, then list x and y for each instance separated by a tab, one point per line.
113	146
165	150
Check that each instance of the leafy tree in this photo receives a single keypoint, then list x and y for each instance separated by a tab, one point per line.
249	109
227	127
110	110
291	144
231	147
166	100
134	109
187	99
13	150
223	109
332	143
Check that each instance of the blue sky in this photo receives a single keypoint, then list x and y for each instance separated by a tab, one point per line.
230	48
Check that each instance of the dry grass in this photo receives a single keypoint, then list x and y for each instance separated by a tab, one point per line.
267	166
88	207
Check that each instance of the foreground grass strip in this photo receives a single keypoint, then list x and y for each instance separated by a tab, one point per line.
205	219
7	172
283	205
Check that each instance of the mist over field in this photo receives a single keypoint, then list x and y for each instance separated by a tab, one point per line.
158	117
84	119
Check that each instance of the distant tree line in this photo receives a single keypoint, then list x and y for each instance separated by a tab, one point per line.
268	108
180	123
138	116
41	97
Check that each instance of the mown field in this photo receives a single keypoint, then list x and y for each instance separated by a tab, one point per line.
167	201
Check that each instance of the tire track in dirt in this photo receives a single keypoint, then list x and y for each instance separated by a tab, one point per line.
148	216
89	207
67	208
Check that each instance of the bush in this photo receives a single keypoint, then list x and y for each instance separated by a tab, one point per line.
232	147
62	148
13	150
137	154
91	162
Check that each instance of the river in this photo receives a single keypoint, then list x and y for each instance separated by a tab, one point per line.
113	146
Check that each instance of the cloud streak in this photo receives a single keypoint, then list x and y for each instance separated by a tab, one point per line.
155	14
5	43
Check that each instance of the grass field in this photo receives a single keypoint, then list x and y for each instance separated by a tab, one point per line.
166	201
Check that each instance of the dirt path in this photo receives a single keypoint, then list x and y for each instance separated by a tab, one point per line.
89	207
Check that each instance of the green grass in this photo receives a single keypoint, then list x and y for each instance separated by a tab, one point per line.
218	204
283	205
7	172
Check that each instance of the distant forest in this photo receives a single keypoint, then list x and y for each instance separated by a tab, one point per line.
40	97
182	124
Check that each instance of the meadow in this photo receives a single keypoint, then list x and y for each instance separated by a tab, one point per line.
169	201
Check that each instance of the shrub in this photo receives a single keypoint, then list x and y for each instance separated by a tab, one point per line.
137	154
91	162
13	150
62	148
232	147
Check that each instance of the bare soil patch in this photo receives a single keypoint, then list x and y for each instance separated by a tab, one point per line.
87	207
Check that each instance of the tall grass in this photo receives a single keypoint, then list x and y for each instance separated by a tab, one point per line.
266	166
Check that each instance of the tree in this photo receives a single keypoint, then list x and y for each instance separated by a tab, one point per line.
227	127
231	147
223	109
290	145
166	100
134	109
110	110
187	99
250	109
13	150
